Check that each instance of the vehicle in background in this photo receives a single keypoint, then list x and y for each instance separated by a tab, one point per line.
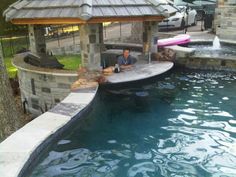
202	7
185	16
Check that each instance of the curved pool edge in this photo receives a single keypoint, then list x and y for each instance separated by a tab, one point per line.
19	150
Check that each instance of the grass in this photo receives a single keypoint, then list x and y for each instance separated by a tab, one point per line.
11	70
70	62
11	45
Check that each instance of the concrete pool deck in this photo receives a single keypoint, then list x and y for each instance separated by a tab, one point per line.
19	150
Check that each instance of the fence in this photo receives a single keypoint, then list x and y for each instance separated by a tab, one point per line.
11	45
61	39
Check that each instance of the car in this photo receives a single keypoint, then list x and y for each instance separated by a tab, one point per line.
202	7
185	16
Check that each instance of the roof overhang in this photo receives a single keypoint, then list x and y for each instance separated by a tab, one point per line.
86	11
58	21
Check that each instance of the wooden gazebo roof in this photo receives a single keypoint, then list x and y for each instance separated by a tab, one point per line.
86	11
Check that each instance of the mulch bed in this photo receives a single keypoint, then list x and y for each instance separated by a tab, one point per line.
24	117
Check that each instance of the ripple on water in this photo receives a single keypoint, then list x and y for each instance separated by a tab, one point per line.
143	168
142	156
192	134
63	142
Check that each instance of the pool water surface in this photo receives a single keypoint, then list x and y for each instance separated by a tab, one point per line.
182	125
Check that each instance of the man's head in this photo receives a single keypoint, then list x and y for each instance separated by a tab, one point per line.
126	52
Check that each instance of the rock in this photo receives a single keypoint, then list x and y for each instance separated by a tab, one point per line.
164	55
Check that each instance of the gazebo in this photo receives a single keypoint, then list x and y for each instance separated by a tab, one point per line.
89	14
42	88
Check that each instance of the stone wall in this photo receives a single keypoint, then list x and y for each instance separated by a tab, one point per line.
43	91
42	88
225	19
207	63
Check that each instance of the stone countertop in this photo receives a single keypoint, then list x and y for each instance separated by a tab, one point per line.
18	62
140	71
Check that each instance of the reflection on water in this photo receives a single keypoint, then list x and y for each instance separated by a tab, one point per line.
183	126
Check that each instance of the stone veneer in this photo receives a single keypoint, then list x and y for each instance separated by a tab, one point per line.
150	31
41	89
225	19
208	63
91	44
187	58
37	39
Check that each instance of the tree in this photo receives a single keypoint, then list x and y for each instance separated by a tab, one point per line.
6	27
9	117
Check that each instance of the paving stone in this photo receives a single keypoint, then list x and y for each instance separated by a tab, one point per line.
67	109
16	149
81	98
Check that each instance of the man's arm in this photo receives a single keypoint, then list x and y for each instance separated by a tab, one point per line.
132	60
126	66
122	65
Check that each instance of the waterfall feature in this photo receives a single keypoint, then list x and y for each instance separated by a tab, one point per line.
216	44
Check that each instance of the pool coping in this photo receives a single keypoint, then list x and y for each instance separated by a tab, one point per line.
20	149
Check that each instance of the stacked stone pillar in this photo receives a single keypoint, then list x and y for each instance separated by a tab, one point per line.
225	19
91	43
37	39
150	32
136	36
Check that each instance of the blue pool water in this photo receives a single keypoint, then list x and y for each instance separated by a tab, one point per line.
182	125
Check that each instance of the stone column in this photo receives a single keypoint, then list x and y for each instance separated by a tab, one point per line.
150	31
37	39
225	20
136	36
91	43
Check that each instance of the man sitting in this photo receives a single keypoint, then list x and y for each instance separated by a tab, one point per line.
126	60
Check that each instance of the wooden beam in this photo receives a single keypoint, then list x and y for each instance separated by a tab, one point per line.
58	21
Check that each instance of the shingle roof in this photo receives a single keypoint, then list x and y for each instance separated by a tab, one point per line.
86	9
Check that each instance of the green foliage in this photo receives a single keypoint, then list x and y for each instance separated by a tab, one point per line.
6	27
71	62
11	70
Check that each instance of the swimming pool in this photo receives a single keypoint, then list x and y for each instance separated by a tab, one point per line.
182	125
